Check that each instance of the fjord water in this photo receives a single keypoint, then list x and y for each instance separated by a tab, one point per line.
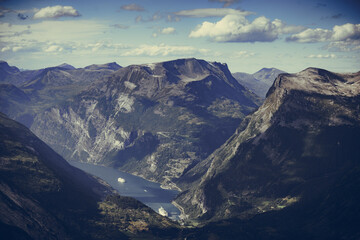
147	192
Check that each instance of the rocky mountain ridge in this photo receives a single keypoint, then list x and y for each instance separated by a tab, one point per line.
292	148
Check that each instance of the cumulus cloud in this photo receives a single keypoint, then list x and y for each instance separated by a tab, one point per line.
168	30
341	38
344	32
56	12
322	56
311	36
54	48
211	12
225	2
132	7
236	28
164	50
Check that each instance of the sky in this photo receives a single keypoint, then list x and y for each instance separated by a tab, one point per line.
246	34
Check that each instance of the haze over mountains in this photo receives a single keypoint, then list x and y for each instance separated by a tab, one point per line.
247	169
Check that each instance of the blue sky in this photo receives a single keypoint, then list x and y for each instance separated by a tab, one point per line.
246	34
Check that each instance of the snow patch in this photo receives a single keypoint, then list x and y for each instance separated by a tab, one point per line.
196	78
130	85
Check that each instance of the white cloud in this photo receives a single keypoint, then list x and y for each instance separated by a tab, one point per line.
57	36
322	56
341	38
168	30
344	46
211	12
56	12
53	31
132	7
344	32
236	28
163	50
105	45
54	48
311	35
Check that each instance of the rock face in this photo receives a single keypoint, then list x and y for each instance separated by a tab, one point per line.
259	82
43	197
292	150
155	120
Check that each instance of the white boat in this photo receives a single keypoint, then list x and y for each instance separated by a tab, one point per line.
121	180
163	212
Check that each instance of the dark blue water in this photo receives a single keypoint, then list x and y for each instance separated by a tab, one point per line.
147	192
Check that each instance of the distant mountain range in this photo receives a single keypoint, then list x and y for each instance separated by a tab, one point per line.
45	87
259	82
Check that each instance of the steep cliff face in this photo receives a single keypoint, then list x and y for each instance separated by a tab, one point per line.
292	149
155	120
43	197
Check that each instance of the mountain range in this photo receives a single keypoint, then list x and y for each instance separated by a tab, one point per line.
155	121
286	167
259	82
46	87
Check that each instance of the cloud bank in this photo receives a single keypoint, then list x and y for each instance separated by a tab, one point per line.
236	28
56	12
342	38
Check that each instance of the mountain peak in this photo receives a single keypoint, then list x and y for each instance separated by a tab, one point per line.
320	81
111	66
4	66
66	66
